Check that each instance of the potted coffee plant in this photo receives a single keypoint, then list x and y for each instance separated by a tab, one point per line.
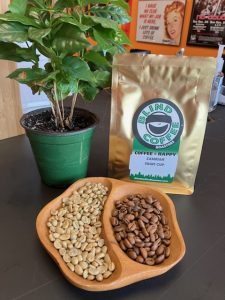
79	39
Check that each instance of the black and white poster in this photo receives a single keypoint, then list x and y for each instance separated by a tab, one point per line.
207	24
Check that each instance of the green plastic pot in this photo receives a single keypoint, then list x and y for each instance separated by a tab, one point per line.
62	158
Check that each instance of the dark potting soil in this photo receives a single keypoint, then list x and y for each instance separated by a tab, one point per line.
44	121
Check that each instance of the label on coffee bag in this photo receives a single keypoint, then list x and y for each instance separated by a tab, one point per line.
157	127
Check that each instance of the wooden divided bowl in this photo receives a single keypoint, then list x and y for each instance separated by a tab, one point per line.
127	271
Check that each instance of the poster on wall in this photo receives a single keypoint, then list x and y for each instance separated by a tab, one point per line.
207	25
160	21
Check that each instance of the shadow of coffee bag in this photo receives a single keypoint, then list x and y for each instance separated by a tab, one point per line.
158	119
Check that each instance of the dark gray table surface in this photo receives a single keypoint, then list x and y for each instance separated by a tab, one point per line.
26	270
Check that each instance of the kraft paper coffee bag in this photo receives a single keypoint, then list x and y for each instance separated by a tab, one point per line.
158	119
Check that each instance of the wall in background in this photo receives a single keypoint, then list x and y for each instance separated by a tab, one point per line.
10	106
28	100
164	49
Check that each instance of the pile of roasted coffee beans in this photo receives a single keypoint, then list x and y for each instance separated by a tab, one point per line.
141	229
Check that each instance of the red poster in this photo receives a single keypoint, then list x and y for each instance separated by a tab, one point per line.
207	26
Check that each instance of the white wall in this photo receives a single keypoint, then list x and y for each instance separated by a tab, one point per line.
28	100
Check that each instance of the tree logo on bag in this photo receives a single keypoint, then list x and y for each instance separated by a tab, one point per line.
158	123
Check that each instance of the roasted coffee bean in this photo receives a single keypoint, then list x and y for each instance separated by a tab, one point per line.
118	228
145	205
122	246
145	232
142	235
137	250
118	207
154	219
160	259
114	221
160	227
152	237
167	234
139	244
131	240
130	217
145	220
127	243
117	236
151	253
121	216
137	239
155	245
114	213
132	254
141	223
131	226
141	212
147	215
148	244
166	242
136	214
158	206
140	259
167	252
142	201
118	203
136	209
123	234
123	210
160	233
149	199
163	219
157	212
144	253
150	261
126	220
160	250
129	210
131	203
150	209
152	229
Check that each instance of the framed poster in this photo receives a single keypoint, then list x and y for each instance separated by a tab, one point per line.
207	25
160	21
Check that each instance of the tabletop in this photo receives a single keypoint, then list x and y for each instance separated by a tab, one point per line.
28	273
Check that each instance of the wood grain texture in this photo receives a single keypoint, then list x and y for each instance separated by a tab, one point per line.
10	104
127	271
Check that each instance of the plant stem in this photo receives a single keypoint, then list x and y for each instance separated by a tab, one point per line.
72	107
54	114
57	106
62	104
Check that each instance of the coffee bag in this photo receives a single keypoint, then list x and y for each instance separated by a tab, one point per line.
158	118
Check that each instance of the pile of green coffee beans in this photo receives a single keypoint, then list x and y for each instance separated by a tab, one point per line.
75	230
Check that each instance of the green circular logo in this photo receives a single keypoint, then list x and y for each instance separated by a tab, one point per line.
158	123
